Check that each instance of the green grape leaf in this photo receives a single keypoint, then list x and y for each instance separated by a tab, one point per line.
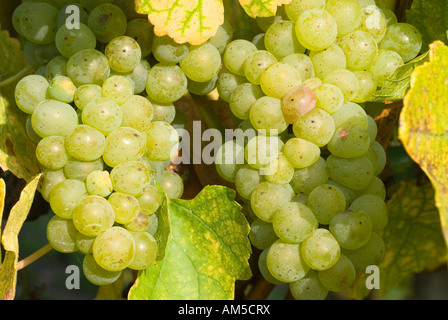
10	241
397	85
192	21
413	238
424	123
430	17
17	151
206	252
262	8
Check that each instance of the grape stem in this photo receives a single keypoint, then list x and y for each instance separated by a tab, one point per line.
34	256
15	77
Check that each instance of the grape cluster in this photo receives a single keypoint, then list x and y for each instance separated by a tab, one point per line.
101	117
309	173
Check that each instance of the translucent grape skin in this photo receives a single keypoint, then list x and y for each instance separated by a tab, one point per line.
280	39
235	53
297	102
162	141
117	88
301	153
278	79
316	126
126	207
123	144
242	99
256	63
349	142
309	287
62	88
70	41
339	277
30	91
54	118
98	183
123	53
107	21
326	201
131	177
353	173
103	114
201	63
267	198
266	114
404	39
262	234
316	29
166	83
65	196
374	207
93	215
145	250
172	184
320	250
51	153
351	228
85	143
61	234
96	274
88	66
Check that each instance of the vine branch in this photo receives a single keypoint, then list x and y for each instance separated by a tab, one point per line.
34	256
16	77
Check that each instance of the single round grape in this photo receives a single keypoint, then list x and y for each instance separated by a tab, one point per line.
114	249
150	200
339	277
166	83
38	22
296	7
367	86
140	224
267	198
302	63
98	183
227	83
297	102
107	21
56	67
166	50
165	112
385	64
61	234
172	184
326	201
373	21
76	169
345	80
30	91
353	173
247	179
316	126
51	153
351	228
61	88
228	159
162	141
235	53
404	39
48	180
349	142
65	196
374	207
372	253
316	29
69	41
306	179
242	99
86	93
280	171
262	234
346	13
84	243
93	215
256	63
202	63
280	39
131	177
329	97
126	207
301	153
350	114
360	50
266	114
117	88
88	66
320	250
85	143
123	144
278	79
145	250
103	114
96	274
123	53
308	288
54	118
328	60
264	271
285	261
137	113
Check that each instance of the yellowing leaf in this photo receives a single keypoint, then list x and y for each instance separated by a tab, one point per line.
192	21
262	8
424	123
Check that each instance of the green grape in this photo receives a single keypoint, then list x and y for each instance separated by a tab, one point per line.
326	201
385	65
137	113
166	50
162	141
306	179
367	86
17	16
165	112
316	29
261	149
346	13
285	262
202	63
227	83
375	208
312	83
61	234
103	114
328	60
351	228
235	53
372	253
117	88
301	153
266	114
350	195
98	183
30	91
222	37
302	63
404	39
228	159
153	224
139	224
202	88
85	143
308	288
350	114
123	144
360	50
69	41
349	142
86	93
328	97
339	277
38	55
76	169
50	152
267	198
280	171
65	13
123	53
114	249
131	177
320	250
247	179
138	76
54	118
293	222
354	173
166	83
316	126
93	215
390	16
377	155
345	80
96	274
262	234
84	243
38	22
262	266
88	66
145	250
150	200
172	184
242	99
374	22
107	22
280	39
65	195
126	207
294	9
48	180
56	67
376	188
61	88
297	102
141	31
256	63
277	80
